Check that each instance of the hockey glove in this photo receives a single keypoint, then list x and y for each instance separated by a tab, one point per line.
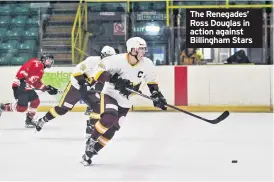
22	86
122	84
51	90
84	92
114	78
159	100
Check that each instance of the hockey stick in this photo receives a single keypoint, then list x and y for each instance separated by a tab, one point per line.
61	91
38	89
223	116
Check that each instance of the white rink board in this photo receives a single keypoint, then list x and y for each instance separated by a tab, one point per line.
7	76
165	75
242	85
198	85
229	85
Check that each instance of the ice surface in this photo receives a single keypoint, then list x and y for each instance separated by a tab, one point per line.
149	146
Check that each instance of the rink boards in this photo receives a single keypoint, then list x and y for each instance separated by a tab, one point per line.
243	88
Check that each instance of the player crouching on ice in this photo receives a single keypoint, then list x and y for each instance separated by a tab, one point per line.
132	68
77	88
28	78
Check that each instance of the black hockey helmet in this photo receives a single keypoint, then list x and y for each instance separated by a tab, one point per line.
47	60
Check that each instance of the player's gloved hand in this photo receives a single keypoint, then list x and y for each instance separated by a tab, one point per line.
122	84
159	100
51	90
114	78
83	91
22	86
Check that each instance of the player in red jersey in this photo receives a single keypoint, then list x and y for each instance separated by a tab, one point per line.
26	80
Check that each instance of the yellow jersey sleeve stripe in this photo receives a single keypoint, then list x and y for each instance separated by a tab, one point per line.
98	75
77	74
150	83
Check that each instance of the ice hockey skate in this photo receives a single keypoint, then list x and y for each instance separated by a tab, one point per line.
40	123
86	161
2	108
89	153
30	121
88	111
89	129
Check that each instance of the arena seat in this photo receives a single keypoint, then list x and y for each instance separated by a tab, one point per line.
5	10
31	33
2	33
4	21
8	46
14	33
18	21
32	21
22	9
27	46
4	61
18	60
19	33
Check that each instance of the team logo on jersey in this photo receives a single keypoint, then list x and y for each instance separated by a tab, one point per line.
83	67
140	74
101	65
24	73
37	63
33	79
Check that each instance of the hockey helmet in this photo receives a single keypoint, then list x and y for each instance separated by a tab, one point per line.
135	43
107	51
47	60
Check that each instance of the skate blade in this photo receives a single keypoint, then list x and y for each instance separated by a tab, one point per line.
85	163
29	126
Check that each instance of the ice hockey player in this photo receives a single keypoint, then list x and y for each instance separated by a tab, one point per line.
95	111
104	52
77	88
132	68
28	78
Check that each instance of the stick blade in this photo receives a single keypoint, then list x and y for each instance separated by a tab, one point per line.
220	118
